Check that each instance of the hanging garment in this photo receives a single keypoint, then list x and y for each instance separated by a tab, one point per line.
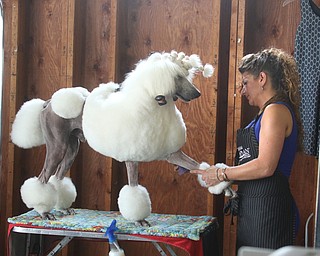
307	54
267	212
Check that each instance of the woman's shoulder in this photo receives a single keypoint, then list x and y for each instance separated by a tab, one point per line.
279	115
279	108
278	104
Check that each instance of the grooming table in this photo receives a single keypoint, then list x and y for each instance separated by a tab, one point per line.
194	234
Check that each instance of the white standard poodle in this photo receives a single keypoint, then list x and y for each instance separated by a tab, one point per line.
135	121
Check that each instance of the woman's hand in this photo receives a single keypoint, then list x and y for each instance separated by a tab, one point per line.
209	176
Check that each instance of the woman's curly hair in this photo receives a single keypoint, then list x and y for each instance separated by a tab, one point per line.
285	79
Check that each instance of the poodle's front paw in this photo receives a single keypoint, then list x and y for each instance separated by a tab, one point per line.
203	166
220	187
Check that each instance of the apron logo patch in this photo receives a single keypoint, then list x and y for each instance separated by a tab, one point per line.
243	153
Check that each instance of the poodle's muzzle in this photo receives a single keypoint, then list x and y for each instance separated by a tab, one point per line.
185	90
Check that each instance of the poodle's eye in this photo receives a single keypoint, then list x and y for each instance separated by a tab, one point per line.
161	100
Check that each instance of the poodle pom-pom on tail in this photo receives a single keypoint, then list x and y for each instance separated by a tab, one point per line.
26	128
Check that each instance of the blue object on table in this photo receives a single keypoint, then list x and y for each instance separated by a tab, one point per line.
110	232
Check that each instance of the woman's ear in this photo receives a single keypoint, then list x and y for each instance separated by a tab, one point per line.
262	77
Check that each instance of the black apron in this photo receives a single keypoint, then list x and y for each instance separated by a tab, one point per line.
266	208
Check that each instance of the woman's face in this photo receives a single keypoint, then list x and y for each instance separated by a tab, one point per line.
251	88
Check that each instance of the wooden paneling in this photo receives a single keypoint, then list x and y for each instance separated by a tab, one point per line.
55	43
234	108
6	176
270	25
13	20
303	183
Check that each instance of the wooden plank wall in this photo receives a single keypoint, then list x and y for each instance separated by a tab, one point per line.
54	44
234	108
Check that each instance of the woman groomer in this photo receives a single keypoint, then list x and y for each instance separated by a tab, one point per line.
266	150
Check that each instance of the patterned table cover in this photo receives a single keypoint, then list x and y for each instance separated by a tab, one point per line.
164	225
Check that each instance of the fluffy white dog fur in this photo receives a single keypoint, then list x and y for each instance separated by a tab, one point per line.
41	197
26	128
66	192
140	130
58	194
134	202
63	99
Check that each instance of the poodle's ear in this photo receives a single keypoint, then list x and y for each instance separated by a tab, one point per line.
161	100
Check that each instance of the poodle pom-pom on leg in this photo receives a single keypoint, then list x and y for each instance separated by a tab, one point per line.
39	196
223	186
203	166
66	191
134	203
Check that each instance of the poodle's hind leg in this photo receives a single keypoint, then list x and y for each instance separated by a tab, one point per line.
56	132
44	195
65	188
134	200
47	201
69	157
56	151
